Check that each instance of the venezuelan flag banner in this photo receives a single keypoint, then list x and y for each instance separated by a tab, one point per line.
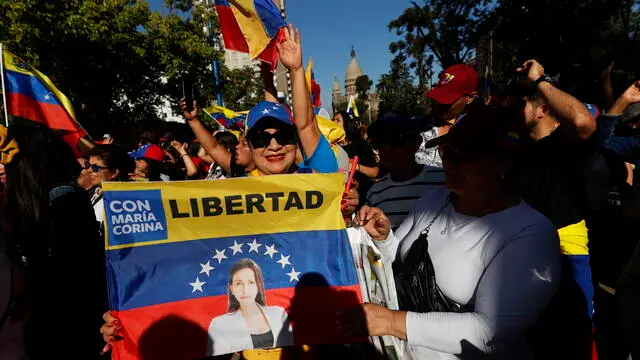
31	95
213	267
228	119
314	87
250	26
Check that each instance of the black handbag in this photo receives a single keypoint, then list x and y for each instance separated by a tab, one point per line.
415	278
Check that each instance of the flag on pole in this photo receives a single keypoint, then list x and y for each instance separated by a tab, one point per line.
184	262
31	95
352	109
251	26
227	118
314	87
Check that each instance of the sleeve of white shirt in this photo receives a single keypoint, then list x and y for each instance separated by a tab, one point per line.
515	287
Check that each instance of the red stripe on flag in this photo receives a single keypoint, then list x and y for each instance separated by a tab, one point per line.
54	116
231	34
179	330
270	53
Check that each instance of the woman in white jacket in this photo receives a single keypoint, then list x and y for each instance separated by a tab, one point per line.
493	255
249	323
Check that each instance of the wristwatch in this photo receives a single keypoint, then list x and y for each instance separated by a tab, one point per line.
543	78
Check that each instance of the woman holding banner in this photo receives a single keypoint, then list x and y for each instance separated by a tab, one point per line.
273	138
475	265
249	323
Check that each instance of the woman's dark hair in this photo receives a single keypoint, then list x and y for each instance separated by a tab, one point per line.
345	115
194	148
261	299
230	141
43	162
352	128
115	158
155	169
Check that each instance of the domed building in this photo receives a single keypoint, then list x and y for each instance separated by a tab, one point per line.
353	72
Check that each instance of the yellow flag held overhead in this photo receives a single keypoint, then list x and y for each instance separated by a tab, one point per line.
352	109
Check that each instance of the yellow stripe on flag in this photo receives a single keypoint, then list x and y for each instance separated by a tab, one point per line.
234	194
252	28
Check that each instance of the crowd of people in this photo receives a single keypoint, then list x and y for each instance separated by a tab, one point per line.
511	222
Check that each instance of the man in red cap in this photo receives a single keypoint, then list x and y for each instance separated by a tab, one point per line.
455	92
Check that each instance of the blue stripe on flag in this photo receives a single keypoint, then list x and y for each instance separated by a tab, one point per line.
270	16
29	86
157	274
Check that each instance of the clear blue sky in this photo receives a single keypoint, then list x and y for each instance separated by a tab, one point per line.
330	27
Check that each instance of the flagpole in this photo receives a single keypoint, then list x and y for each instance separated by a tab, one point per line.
4	92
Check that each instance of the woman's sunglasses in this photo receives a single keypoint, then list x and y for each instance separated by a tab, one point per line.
262	139
94	167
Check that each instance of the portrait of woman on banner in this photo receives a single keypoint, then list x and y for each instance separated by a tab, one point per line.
249	323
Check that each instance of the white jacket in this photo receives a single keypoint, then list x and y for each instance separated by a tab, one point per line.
228	333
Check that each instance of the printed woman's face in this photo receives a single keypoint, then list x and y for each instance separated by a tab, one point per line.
244	287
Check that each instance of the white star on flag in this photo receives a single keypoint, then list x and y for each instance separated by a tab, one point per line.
47	97
220	255
284	260
237	248
197	285
293	275
206	268
270	250
254	246
266	112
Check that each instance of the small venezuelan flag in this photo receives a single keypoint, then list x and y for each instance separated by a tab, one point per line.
228	119
313	86
251	26
31	95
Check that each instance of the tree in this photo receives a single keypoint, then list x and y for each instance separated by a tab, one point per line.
608	30
397	90
363	85
115	59
447	29
242	88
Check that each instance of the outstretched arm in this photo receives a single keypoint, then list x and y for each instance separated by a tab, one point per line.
290	52
218	153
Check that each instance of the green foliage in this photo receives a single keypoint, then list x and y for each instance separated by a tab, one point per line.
363	85
242	88
576	38
341	106
446	31
115	59
397	90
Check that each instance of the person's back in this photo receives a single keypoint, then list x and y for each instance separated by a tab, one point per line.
72	292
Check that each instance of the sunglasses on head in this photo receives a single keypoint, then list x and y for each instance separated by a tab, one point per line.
262	139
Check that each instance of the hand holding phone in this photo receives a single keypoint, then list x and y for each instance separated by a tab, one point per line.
187	94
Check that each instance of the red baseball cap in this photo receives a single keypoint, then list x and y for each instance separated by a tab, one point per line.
455	82
148	151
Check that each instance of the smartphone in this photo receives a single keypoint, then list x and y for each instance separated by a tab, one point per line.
187	93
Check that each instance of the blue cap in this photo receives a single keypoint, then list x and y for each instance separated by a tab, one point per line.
268	109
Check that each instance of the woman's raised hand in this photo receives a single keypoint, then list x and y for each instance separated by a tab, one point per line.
375	222
290	50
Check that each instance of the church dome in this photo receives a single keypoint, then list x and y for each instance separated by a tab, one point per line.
336	84
353	69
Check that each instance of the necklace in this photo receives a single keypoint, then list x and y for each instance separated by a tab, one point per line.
446	202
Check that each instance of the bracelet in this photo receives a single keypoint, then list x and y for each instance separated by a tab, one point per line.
183	155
